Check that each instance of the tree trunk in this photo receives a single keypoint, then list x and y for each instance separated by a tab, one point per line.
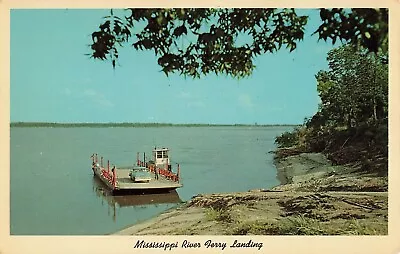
349	120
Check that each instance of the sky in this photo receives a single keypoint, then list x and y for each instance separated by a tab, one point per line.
52	80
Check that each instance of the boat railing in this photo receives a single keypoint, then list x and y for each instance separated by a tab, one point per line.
168	174
110	177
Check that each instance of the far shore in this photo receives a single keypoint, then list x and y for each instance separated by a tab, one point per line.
67	125
314	198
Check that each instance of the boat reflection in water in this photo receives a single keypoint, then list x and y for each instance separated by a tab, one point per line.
133	200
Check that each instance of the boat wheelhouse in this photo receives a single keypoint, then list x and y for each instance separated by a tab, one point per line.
161	158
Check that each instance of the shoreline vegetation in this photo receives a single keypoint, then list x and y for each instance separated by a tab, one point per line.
104	125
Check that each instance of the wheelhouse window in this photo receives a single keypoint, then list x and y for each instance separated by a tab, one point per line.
159	154
165	154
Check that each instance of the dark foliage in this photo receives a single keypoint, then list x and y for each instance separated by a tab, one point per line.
195	42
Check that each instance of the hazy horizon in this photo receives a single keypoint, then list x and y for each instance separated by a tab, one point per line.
150	123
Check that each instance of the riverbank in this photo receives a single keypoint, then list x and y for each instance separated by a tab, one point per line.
315	198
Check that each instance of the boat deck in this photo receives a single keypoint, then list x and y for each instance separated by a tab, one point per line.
125	182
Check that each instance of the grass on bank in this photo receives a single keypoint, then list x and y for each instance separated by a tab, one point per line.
218	214
300	225
292	225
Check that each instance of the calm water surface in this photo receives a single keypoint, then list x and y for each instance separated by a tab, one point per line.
53	190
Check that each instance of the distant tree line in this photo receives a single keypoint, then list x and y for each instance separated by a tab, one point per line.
68	125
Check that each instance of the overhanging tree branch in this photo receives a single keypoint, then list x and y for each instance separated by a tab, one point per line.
226	41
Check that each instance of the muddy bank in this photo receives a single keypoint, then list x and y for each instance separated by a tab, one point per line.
315	198
314	172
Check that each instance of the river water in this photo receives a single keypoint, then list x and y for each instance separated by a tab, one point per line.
53	191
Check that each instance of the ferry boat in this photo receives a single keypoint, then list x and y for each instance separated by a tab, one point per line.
153	176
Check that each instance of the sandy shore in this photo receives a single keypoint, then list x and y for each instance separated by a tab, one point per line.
315	198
